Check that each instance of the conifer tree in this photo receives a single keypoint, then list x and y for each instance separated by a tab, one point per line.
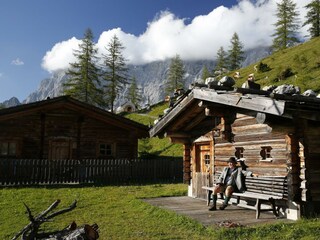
205	73
134	93
115	74
83	75
221	59
176	74
235	53
286	25
313	18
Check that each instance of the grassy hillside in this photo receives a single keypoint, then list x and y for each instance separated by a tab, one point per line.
155	146
299	66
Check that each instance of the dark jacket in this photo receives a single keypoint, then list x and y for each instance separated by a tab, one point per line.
238	176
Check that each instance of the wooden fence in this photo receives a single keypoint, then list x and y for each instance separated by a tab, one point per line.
104	171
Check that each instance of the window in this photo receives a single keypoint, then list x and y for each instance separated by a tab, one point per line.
8	149
207	159
265	154
239	152
105	150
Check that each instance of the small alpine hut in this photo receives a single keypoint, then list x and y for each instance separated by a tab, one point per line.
65	128
273	134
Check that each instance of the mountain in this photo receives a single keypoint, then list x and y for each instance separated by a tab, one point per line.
11	102
49	87
150	78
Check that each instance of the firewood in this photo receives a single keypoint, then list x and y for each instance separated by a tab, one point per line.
71	232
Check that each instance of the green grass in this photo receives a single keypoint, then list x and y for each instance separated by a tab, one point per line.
121	214
147	117
303	60
155	146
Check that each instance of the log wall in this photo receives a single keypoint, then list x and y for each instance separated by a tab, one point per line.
35	134
252	136
310	167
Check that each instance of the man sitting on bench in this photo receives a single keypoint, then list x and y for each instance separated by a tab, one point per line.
231	180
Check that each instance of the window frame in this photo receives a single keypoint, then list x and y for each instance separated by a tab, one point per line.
9	153
265	154
109	147
207	159
239	153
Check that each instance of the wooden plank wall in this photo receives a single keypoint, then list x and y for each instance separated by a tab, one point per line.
200	179
34	133
311	164
251	136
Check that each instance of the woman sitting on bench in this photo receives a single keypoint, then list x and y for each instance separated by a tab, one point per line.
231	180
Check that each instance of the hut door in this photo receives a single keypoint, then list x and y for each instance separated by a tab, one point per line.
60	149
203	160
204	163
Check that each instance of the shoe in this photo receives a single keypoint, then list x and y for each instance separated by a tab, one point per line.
223	207
213	208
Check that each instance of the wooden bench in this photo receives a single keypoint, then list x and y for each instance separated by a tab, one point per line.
264	190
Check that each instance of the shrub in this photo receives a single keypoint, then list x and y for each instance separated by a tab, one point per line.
263	67
285	73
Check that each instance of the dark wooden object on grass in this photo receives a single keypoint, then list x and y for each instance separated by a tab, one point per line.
71	232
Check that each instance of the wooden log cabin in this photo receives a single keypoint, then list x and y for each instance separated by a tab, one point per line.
64	128
274	134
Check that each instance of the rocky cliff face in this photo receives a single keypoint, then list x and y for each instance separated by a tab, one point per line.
49	87
11	102
151	78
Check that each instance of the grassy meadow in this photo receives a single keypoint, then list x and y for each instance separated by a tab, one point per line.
155	146
298	65
121	214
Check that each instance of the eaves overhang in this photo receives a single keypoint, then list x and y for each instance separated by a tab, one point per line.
241	100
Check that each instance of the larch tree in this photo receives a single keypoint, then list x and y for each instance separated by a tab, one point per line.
235	53
205	73
175	75
83	76
313	18
134	93
221	59
286	26
115	74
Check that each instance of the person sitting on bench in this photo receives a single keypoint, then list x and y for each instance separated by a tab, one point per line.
231	180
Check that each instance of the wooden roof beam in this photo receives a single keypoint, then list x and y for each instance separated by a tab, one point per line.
180	140
258	104
199	118
181	122
178	137
177	134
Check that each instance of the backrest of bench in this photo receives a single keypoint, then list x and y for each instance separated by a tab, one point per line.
275	186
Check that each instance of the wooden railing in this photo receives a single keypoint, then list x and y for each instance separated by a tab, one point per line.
104	171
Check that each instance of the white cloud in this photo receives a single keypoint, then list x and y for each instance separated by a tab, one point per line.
168	35
1	74
61	55
17	62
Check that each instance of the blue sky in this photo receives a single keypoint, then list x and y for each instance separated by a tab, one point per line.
38	36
